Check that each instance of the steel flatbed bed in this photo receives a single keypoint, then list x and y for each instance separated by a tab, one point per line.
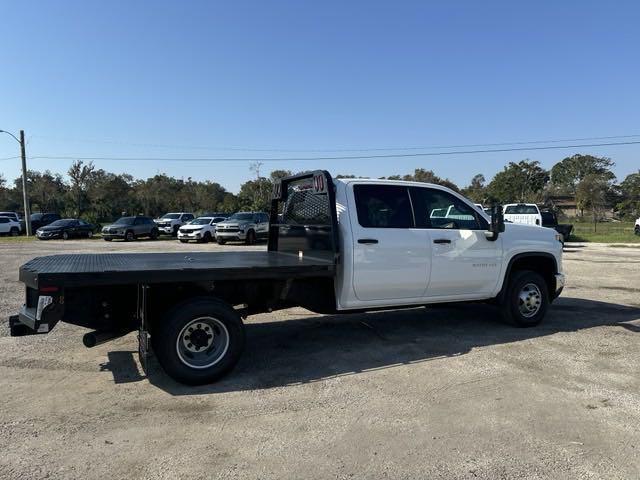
88	270
116	293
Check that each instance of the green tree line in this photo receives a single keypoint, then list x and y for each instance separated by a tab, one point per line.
100	196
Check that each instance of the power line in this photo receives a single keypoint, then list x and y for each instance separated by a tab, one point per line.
346	157
320	150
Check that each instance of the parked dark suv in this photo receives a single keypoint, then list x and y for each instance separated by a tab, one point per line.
42	220
130	228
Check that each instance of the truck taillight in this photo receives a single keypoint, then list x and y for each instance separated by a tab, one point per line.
48	289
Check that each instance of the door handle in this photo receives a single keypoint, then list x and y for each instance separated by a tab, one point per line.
367	241
442	240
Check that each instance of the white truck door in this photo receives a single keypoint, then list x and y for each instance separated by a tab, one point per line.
463	261
391	259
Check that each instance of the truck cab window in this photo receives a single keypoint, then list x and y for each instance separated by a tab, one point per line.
383	206
439	209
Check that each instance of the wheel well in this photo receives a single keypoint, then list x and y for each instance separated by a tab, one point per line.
543	264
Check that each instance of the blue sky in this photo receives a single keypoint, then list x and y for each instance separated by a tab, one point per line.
187	79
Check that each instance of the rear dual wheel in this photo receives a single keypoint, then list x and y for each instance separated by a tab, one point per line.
199	341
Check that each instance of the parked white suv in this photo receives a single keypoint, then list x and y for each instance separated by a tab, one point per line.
526	213
202	229
170	223
9	225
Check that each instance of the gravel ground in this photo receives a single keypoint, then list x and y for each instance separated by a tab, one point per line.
422	393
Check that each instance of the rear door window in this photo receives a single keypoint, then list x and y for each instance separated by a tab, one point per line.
383	206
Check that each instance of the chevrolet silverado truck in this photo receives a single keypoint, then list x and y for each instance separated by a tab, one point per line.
170	223
334	246
525	213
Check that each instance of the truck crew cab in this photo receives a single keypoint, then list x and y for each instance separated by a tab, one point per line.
334	246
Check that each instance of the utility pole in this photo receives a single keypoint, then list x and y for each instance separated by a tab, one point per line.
25	196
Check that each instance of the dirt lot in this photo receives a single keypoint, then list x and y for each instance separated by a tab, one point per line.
423	393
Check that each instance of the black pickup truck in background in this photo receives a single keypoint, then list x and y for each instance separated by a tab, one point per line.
550	220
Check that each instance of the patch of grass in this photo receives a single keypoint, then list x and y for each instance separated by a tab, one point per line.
607	232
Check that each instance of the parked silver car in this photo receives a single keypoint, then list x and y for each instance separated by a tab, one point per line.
243	226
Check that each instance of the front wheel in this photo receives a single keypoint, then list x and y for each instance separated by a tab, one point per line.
154	234
89	234
207	237
199	341
184	241
14	232
221	241
65	235
251	237
129	236
637	230
527	299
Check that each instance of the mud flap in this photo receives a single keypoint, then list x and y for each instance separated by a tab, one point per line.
143	349
144	345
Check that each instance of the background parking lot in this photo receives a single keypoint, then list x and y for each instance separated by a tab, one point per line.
421	393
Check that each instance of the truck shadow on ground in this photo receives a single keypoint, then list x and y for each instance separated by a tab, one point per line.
315	348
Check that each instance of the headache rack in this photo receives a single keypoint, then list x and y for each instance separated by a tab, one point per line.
303	219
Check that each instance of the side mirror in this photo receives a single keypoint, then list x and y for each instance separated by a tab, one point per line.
497	223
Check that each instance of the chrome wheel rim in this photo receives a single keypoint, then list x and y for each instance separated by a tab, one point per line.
529	300
202	342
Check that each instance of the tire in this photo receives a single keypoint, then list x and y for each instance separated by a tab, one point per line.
637	231
527	299
129	236
184	241
175	231
14	232
207	237
108	239
65	235
250	238
177	355
221	241
153	235
89	234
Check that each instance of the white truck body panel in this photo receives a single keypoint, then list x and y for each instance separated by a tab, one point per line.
406	267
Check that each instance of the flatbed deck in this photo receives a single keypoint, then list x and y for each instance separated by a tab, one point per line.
150	268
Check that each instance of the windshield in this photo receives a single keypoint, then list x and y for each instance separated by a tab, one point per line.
125	221
170	216
61	223
521	210
36	216
241	216
200	221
